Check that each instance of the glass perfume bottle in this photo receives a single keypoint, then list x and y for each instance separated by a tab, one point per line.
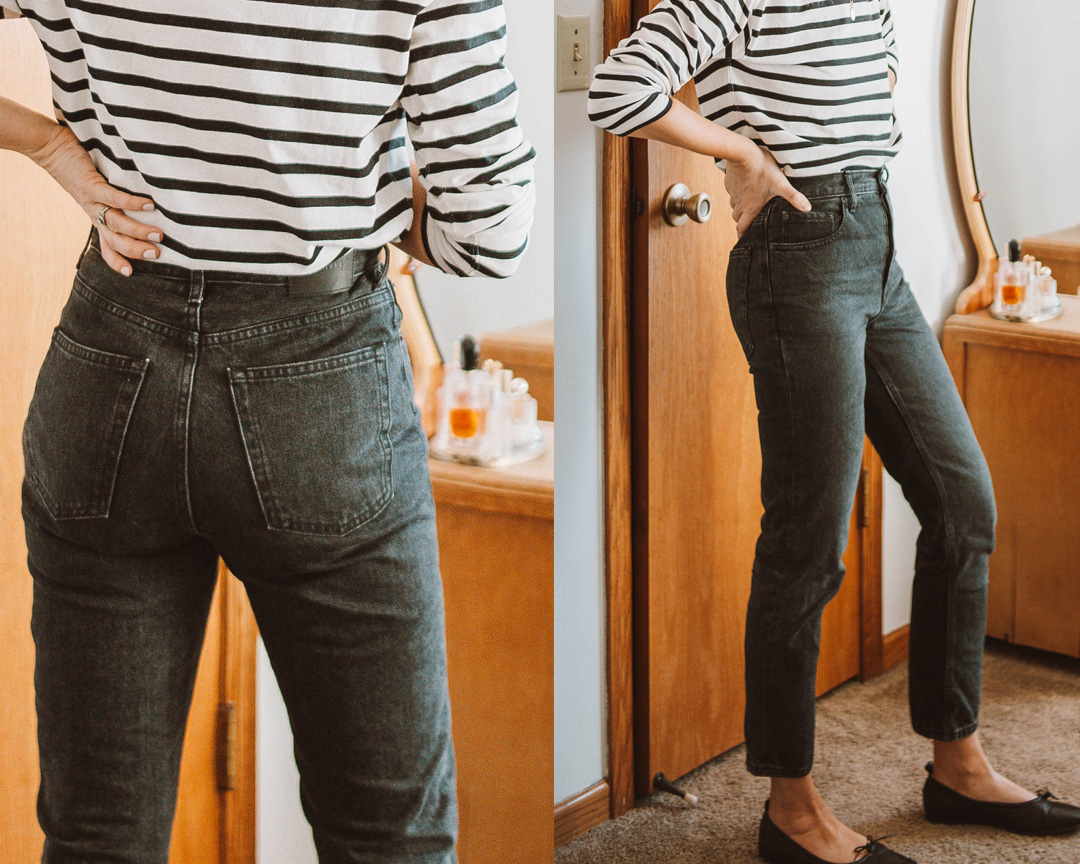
1012	283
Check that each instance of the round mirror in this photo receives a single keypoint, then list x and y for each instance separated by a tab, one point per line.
1024	113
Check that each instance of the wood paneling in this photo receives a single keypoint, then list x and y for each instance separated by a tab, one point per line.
1021	386
496	551
895	647
578	814
42	233
1060	251
615	383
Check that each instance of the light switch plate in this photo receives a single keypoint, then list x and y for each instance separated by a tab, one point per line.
572	45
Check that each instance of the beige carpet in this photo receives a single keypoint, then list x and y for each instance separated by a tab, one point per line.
869	766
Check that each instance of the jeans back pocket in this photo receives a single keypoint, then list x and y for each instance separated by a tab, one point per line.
76	425
317	436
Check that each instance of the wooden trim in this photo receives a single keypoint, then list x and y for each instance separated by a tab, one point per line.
894	647
979	293
871	649
424	356
615	327
583	811
238	634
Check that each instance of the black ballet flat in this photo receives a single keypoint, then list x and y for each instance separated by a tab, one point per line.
1042	815
777	848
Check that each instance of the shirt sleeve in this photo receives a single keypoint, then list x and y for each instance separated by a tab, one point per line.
889	35
474	161
634	85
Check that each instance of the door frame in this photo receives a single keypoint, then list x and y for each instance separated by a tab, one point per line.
617	220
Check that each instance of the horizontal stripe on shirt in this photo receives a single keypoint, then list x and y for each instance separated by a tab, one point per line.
273	134
808	81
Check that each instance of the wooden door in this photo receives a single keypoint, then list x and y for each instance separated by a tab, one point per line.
42	232
696	470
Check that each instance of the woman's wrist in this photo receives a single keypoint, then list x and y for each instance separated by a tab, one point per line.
743	152
24	130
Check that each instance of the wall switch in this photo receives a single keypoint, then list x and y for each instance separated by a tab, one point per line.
574	69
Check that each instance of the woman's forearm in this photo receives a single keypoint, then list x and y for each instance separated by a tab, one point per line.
687	128
24	130
412	241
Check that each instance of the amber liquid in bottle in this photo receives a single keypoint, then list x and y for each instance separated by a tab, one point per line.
465	422
1011	295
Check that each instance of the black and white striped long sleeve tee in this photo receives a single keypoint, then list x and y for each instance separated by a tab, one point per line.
806	80
272	133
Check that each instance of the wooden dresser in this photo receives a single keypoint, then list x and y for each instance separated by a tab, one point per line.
1021	386
496	551
530	351
1060	251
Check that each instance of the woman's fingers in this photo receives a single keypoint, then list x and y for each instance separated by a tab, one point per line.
795	197
123	200
120	223
120	243
743	224
110	256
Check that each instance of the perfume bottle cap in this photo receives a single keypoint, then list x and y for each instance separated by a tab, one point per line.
470	353
1014	250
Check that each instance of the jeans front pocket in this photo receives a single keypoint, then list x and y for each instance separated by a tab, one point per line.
738	276
317	436
76	425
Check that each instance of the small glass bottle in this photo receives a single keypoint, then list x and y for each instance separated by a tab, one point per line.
1012	283
1047	284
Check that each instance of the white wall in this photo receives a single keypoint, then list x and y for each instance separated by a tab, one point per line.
454	306
580	683
931	234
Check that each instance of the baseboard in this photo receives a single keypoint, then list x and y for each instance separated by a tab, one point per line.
894	647
583	811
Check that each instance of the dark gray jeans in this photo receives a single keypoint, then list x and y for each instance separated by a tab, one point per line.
180	415
838	346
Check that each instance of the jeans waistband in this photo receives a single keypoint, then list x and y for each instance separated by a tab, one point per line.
366	261
850	181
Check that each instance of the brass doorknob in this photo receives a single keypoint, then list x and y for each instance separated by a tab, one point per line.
680	205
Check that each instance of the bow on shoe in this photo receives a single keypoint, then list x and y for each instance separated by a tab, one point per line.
1044	794
871	846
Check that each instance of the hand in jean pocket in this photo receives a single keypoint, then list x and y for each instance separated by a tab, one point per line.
752	182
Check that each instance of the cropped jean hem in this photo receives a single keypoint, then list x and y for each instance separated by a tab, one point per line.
759	770
947	737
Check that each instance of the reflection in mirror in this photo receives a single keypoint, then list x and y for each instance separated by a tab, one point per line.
478	305
1025	126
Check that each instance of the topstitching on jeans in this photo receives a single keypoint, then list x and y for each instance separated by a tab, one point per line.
373	300
84	290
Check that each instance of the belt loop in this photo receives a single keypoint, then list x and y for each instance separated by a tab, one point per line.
851	190
198	285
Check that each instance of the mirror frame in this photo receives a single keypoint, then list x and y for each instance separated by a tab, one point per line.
979	294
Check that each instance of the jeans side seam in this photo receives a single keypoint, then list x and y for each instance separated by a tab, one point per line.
952	553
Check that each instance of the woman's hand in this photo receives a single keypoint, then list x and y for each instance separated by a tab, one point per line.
752	181
70	165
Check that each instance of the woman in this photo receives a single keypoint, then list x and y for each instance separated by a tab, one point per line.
796	107
228	378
